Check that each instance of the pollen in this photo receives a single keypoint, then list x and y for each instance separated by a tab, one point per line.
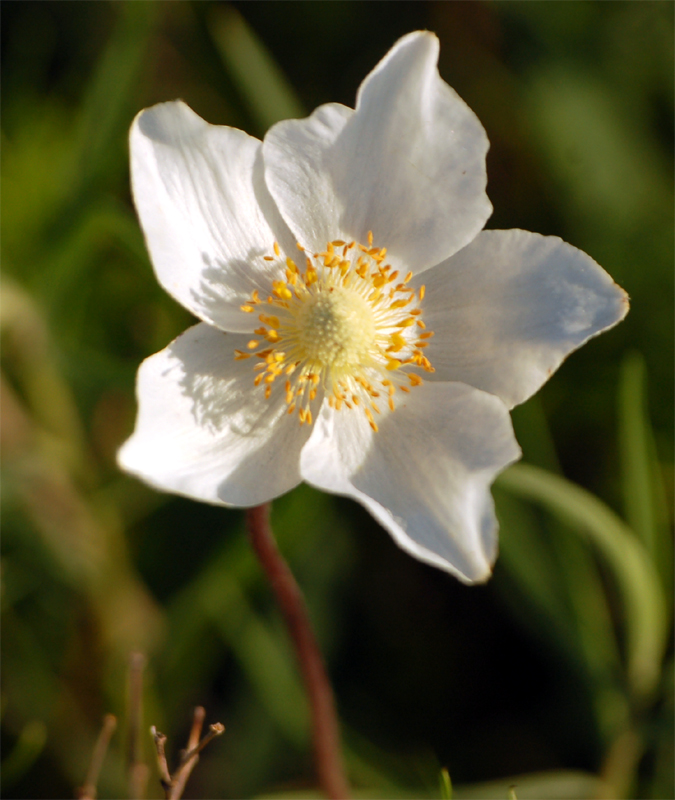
342	328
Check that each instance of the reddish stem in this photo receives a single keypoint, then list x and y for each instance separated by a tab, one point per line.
324	720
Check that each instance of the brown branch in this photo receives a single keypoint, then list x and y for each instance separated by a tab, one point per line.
88	791
174	785
164	774
326	737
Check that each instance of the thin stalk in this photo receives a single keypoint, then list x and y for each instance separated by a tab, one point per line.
325	732
88	791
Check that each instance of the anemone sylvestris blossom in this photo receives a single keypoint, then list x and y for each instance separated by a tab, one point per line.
359	330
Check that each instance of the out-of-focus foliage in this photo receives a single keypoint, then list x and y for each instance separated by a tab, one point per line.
557	675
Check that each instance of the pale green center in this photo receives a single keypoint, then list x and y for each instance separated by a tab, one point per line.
336	328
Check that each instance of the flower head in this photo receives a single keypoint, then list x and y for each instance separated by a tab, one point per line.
360	331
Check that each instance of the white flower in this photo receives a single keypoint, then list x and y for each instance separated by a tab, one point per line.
359	332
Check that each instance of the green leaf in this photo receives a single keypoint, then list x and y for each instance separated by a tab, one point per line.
446	785
25	752
550	581
571	784
644	501
646	627
108	104
265	89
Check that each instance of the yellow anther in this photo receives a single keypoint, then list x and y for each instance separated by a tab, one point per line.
268	258
281	290
370	419
299	246
426	335
421	292
397	342
370	346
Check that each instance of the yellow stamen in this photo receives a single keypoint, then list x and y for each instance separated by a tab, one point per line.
338	328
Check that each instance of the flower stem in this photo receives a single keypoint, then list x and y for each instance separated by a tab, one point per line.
326	735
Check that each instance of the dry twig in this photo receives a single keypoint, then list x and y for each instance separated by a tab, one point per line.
174	785
88	791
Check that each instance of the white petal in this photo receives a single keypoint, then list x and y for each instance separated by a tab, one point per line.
299	166
203	430
205	210
425	474
408	164
510	307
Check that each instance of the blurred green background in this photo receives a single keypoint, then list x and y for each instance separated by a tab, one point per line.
557	675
